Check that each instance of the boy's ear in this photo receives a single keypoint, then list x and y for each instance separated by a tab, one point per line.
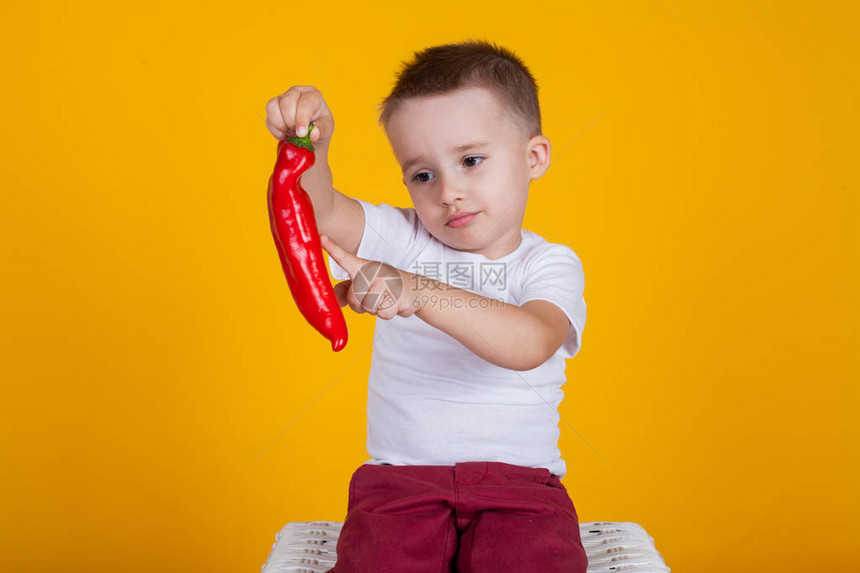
539	152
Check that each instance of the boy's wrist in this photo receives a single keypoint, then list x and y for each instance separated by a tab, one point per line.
321	147
321	161
411	292
425	294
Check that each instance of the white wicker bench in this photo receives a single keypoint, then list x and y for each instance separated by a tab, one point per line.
310	547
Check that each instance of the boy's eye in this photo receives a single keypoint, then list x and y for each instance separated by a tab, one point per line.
420	175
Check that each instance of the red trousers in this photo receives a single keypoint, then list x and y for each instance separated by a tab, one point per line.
472	517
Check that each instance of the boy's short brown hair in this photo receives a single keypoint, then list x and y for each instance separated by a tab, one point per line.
473	63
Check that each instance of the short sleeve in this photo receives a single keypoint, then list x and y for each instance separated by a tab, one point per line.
555	275
391	235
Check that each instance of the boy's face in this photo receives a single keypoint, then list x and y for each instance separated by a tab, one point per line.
428	135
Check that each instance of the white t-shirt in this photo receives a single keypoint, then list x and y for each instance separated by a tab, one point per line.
431	400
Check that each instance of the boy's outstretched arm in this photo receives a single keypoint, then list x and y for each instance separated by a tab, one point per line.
507	335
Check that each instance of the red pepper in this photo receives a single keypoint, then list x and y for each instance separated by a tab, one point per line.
294	228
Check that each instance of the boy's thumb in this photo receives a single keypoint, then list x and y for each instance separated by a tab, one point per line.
323	129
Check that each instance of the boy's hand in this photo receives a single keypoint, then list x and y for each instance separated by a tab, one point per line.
373	287
289	114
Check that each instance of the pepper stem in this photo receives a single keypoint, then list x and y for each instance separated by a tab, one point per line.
303	141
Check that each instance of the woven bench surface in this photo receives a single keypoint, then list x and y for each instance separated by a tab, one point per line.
612	547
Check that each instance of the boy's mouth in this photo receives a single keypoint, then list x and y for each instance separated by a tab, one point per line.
461	219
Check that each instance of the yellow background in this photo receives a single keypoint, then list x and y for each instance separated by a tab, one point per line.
164	405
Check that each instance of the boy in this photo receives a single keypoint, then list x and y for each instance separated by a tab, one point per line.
467	370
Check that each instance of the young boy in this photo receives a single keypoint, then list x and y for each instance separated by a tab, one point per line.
480	314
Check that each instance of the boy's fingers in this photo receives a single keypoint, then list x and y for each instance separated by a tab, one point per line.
347	261
307	109
341	290
346	296
377	298
311	107
323	124
291	113
287	103
274	119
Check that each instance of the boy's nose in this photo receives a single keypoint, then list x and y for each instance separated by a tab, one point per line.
452	190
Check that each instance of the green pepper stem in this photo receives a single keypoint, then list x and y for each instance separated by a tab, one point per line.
303	141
